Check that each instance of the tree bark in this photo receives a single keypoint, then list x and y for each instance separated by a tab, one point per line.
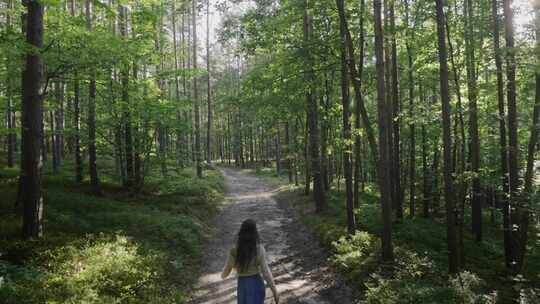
384	156
476	201
288	156
358	114
209	91
128	140
535	128
519	216
451	212
502	136
347	149
396	154
94	180
196	106
311	104
31	125
11	138
412	126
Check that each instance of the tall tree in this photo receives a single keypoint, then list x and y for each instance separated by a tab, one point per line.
502	134
126	112
412	126
449	196
196	106
535	128
357	125
476	200
12	137
94	180
347	137
31	126
384	144
519	216
312	120
396	154
208	88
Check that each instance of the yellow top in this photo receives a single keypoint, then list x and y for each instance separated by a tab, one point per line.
258	265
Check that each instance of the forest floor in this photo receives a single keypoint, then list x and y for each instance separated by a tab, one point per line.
114	248
298	263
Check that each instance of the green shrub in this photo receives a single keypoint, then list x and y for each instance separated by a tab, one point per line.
355	254
116	248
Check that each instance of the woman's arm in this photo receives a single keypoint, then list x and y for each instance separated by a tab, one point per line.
267	274
228	266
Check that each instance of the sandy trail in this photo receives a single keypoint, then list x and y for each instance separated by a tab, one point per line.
296	261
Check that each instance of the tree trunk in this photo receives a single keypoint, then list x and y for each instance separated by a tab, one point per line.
502	136
357	126
54	144
384	156
396	151
347	159
209	92
196	106
278	151
535	128
31	125
311	103
128	141
451	212
412	126
476	200
11	138
94	181
288	156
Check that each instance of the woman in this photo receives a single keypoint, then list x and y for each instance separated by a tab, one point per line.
248	258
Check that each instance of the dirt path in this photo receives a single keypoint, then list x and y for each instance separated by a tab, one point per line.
298	264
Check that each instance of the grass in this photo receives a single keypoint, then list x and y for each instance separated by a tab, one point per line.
116	248
419	274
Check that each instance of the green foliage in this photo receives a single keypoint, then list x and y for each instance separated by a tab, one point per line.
117	248
419	273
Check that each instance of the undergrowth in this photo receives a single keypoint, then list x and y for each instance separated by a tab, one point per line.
419	272
116	248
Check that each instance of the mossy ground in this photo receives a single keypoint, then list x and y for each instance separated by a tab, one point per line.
115	248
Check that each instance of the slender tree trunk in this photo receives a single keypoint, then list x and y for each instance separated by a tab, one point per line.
358	114
278	151
11	138
426	196
325	101
94	181
196	106
502	135
209	91
288	156
412	126
519	216
535	128
396	152
53	143
384	156
179	132
311	102
128	140
76	116
449	195
59	119
31	125
473	120
307	167
347	155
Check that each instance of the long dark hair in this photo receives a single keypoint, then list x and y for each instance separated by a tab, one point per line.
246	246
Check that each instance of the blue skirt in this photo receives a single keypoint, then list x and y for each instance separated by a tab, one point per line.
251	290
